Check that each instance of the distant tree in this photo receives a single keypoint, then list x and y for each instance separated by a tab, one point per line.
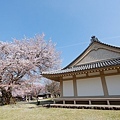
23	60
53	87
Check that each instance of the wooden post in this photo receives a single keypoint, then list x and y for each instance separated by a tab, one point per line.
89	102
74	102
108	103
61	87
105	90
74	86
63	101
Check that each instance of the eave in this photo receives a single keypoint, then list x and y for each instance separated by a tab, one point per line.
84	68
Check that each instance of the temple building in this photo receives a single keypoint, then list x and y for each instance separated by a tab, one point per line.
92	78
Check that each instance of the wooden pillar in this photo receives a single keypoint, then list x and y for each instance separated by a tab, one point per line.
63	101
61	86
74	85
89	102
104	85
118	70
108	103
75	102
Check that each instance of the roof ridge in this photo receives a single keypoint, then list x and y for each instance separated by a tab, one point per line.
110	45
95	39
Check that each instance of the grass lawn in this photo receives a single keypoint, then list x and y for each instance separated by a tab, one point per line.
24	111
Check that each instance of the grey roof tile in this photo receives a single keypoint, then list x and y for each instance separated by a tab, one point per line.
88	66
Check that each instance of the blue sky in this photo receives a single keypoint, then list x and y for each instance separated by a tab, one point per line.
69	23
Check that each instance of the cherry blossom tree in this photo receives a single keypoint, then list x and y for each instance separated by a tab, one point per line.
21	63
27	90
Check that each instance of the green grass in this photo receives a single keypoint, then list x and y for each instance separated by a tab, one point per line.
24	111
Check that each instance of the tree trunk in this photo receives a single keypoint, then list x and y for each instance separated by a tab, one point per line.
7	96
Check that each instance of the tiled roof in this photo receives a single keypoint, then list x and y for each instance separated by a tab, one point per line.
88	66
93	40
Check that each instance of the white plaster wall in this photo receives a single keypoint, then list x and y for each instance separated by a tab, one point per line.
68	88
90	87
113	84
